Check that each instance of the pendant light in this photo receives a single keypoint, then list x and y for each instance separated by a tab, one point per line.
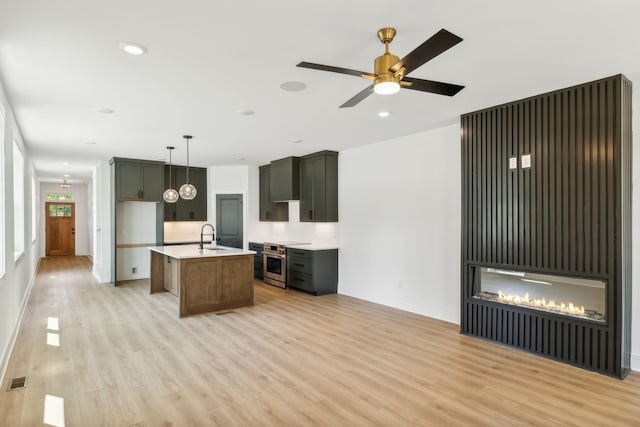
65	184
188	191
170	195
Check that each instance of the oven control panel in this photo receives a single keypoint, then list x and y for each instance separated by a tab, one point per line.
275	248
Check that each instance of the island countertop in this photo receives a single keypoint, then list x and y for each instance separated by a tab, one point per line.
192	251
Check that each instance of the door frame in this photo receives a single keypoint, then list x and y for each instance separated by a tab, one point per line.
46	224
245	212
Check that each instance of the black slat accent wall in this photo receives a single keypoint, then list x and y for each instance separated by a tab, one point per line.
569	214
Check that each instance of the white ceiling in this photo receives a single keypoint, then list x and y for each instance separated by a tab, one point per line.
60	63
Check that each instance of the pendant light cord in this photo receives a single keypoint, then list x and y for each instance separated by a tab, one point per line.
188	182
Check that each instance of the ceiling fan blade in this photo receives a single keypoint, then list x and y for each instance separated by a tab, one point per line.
359	97
434	46
332	69
432	87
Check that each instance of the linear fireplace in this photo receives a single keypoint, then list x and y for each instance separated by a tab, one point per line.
546	225
570	296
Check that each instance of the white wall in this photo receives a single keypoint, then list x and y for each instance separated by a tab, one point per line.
17	281
91	217
102	229
324	234
400	223
81	201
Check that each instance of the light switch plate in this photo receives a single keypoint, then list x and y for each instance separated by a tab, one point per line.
513	163
525	161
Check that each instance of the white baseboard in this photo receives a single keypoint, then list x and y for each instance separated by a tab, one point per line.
635	362
96	275
23	305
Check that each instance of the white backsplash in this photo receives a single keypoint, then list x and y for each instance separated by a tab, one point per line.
182	231
319	233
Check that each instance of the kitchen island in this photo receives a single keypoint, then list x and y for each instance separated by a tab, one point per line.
204	280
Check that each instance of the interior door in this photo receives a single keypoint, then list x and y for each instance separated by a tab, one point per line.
229	220
60	228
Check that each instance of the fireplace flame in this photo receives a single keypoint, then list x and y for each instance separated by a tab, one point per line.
542	302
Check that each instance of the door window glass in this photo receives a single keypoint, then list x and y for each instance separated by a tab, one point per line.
60	210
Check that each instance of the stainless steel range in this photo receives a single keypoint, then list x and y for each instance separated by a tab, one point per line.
275	262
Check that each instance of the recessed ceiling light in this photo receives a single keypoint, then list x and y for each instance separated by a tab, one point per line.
65	163
293	86
296	141
133	48
105	110
66	175
90	143
246	112
240	158
384	114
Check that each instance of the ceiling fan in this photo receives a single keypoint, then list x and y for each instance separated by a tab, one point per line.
390	71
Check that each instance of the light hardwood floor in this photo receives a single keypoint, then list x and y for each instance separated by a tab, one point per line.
291	360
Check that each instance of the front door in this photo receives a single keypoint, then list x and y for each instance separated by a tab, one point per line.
60	232
229	220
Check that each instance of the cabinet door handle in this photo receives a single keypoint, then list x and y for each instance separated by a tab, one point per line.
298	280
268	214
310	214
299	265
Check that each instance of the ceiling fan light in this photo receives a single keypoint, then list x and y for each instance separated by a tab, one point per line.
386	88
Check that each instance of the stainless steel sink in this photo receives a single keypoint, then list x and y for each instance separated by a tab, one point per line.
215	248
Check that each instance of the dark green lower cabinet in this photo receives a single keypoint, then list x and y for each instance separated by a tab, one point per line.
257	260
312	271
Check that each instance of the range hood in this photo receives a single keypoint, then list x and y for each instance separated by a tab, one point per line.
284	181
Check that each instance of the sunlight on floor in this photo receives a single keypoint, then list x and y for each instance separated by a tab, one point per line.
53	324
53	339
53	410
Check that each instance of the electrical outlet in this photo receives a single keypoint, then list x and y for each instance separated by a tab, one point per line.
134	270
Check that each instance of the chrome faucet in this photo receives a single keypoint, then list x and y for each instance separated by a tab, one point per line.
202	234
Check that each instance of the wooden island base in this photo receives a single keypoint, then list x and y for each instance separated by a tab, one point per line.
204	284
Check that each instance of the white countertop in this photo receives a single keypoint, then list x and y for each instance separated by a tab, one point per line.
312	247
192	251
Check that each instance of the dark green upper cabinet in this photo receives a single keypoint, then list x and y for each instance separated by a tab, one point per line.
198	177
138	179
187	210
270	211
319	187
283	181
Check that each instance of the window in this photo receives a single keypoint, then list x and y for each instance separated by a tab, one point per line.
59	197
34	209
60	210
2	239
18	201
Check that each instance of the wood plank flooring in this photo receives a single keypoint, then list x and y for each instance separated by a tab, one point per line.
291	360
